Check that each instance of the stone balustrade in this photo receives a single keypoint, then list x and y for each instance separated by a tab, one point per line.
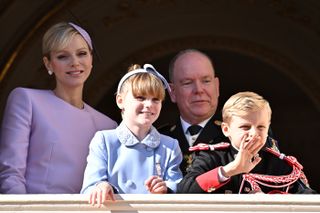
163	203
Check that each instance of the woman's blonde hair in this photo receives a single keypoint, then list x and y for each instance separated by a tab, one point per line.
57	37
143	84
242	103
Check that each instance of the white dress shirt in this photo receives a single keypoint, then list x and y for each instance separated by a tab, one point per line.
192	138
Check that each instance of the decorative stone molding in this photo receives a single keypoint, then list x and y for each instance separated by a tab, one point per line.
270	56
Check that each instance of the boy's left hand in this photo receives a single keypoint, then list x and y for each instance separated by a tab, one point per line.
156	185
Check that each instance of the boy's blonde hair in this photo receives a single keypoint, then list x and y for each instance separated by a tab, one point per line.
243	103
143	84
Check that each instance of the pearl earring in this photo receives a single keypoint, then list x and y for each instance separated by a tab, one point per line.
50	72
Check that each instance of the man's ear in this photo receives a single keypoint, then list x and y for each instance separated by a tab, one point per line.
172	93
225	129
217	83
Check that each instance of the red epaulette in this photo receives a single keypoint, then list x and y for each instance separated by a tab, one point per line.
289	159
204	146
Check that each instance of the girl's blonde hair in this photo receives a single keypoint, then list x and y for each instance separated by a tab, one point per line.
143	84
242	103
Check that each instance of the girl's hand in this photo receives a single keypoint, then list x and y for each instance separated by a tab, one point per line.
156	185
101	193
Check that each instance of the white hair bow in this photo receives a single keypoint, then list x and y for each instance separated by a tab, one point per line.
147	68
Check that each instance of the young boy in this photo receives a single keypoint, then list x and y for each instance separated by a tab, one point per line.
245	165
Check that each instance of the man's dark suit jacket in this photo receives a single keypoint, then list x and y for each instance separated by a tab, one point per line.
211	134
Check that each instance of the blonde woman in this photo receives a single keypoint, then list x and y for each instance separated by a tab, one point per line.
45	134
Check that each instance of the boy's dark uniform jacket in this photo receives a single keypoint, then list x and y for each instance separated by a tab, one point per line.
202	177
211	134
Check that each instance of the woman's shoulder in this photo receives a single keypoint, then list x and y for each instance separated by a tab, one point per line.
28	91
23	94
100	117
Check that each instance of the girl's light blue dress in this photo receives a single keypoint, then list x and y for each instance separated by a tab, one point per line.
118	157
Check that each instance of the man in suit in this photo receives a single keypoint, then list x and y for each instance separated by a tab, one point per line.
195	90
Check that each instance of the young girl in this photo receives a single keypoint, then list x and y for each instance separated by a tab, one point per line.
134	157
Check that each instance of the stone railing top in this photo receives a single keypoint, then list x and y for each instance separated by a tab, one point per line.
163	203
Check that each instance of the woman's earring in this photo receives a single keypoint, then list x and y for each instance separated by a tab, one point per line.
50	72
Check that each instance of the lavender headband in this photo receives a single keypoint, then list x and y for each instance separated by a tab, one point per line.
83	33
147	68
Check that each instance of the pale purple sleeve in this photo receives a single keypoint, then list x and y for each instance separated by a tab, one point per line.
14	142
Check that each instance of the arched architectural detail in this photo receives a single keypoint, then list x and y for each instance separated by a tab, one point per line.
11	59
282	63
